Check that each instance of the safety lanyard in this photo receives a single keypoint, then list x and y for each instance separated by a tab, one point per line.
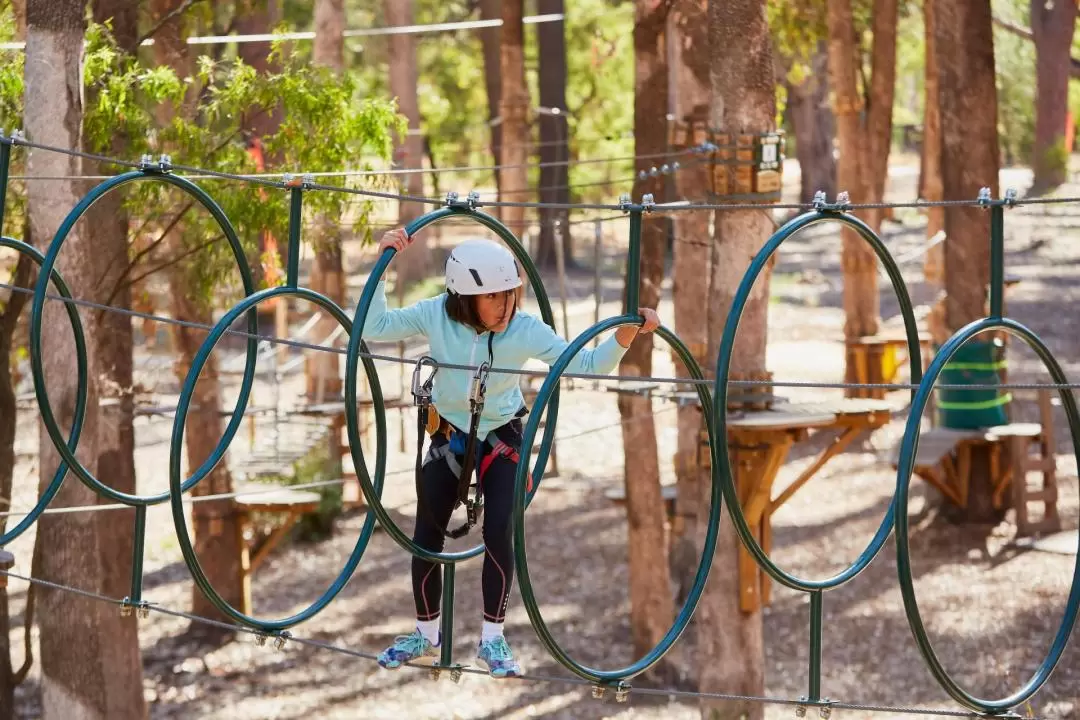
421	392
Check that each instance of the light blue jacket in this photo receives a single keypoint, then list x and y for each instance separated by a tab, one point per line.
525	337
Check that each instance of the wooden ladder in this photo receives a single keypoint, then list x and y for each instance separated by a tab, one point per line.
1023	461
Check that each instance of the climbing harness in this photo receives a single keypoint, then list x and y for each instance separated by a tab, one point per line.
429	423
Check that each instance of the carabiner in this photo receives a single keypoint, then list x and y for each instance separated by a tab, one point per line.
478	389
421	391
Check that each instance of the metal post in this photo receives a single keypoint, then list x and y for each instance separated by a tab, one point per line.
633	262
446	629
292	268
560	267
997	260
815	645
598	238
137	555
5	166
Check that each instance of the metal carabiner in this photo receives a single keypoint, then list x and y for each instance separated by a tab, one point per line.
421	391
478	389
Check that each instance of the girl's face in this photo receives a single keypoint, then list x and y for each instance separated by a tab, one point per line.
495	309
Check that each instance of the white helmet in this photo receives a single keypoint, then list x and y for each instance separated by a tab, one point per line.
476	267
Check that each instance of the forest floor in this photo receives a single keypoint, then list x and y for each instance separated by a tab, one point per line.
991	605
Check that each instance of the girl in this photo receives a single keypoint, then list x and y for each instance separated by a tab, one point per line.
475	321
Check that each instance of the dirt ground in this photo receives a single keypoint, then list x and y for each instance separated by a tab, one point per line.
991	605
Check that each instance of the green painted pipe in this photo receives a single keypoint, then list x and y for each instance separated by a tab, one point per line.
296	215
446	627
137	555
5	170
38	306
528	594
997	260
720	392
906	466
79	414
815	645
176	487
352	421
633	263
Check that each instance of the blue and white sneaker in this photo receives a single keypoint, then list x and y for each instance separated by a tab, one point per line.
496	657
406	649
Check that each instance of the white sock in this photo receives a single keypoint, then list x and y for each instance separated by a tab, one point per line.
429	629
490	630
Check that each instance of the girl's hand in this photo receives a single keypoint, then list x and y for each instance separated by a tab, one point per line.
626	334
396	238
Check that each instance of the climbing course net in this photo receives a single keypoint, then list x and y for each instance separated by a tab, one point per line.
711	394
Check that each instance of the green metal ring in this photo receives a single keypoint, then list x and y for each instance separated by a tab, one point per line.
905	467
176	488
528	595
352	421
720	392
80	397
45	407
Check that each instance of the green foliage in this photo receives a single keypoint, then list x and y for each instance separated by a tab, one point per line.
1014	61
324	126
11	111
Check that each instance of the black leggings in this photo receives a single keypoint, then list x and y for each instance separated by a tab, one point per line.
439	485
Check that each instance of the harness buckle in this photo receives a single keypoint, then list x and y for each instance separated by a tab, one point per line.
478	389
472	512
421	390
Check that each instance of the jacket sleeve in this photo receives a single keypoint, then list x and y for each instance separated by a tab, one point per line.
385	324
546	345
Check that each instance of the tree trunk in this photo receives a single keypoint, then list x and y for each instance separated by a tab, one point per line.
878	131
19	8
815	128
554	137
90	665
861	301
651	608
322	369
214	525
491	42
930	174
1052	24
730	642
514	111
9	317
409	153
690	281
107	230
969	161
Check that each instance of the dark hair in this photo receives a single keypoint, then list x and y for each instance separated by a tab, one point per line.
462	309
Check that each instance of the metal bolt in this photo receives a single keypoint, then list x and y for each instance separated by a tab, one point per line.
308	179
435	672
642	175
665	168
455	675
288	179
281	640
473	199
144	611
653	172
984	196
1010	197
825	711
622	693
624	201
820	200
18	135
598	691
800	711
451	197
647	202
260	639
125	609
843	198
675	165
164	163
146	162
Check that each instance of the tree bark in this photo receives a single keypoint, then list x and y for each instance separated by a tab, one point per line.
964	42
322	370
930	174
514	111
815	128
19	8
214	525
690	281
409	152
90	667
554	138
491	42
107	230
861	301
9	318
879	112
651	608
730	642
1052	24
255	17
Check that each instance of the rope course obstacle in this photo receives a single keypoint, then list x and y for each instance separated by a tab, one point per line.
372	476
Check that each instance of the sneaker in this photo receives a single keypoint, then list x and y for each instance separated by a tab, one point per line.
495	655
406	648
